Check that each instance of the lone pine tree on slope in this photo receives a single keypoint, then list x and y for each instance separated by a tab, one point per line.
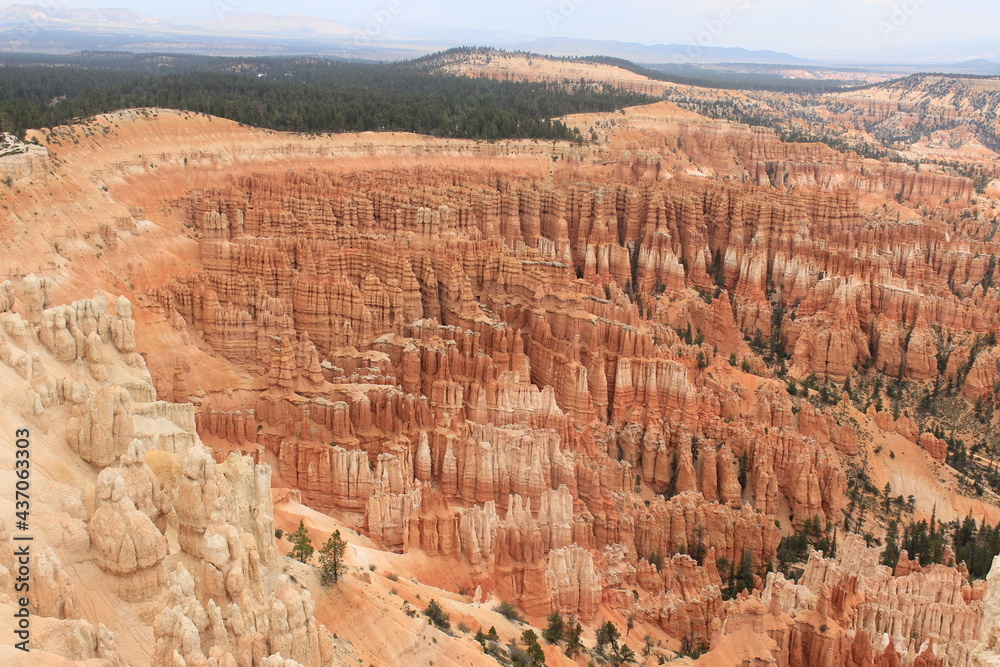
331	559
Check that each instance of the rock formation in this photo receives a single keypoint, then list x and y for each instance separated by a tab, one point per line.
126	543
596	384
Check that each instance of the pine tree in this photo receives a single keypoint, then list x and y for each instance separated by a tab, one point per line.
607	634
556	629
302	548
624	654
744	578
890	555
535	651
331	559
573	643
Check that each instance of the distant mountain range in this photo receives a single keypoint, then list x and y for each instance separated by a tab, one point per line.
978	66
286	26
657	53
32	28
28	28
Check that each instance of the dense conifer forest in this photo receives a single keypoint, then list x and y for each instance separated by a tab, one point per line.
304	94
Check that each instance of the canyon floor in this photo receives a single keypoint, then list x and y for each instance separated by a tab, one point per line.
604	379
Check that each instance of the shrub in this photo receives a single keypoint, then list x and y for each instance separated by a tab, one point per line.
437	616
509	611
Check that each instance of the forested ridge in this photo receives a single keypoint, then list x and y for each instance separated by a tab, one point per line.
298	94
682	73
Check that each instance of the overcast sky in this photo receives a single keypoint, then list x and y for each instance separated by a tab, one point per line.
802	27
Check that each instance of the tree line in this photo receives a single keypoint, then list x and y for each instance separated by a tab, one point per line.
973	544
296	94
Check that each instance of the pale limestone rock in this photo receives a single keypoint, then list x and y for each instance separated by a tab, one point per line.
127	544
123	326
76	640
93	348
142	486
52	592
197	493
574	584
251	508
987	651
294	631
35	295
6	296
100	427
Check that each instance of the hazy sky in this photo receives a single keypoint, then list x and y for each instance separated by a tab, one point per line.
802	27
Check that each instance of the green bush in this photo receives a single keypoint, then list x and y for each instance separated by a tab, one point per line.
509	611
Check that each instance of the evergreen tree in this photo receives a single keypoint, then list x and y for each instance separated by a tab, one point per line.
556	628
624	654
302	548
535	651
573	643
607	635
740	580
890	555
331	559
318	95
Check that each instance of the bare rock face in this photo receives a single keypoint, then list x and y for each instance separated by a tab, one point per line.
6	296
190	632
573	582
987	650
562	381
35	295
178	628
100	428
142	486
19	159
126	543
236	492
53	592
76	331
937	448
123	326
75	639
249	505
232	568
293	629
197	494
